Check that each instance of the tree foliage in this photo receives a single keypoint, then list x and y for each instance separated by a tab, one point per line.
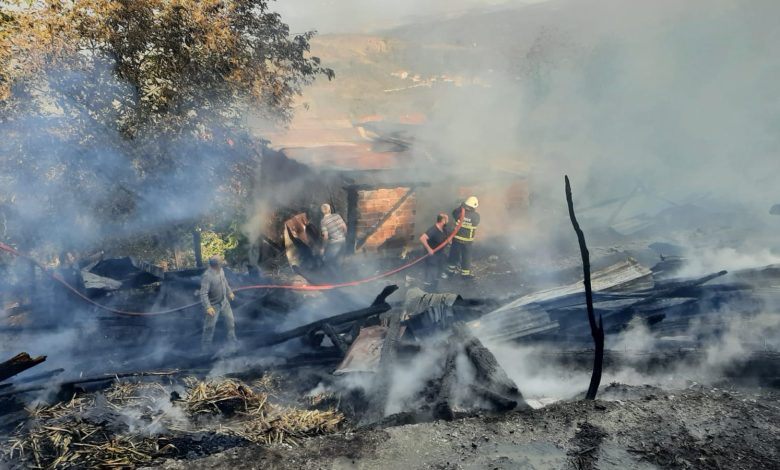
175	59
124	109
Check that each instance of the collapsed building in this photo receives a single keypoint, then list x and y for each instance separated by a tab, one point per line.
128	387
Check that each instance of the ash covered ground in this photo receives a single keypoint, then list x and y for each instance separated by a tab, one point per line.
628	427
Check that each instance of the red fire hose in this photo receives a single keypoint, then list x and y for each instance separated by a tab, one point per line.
310	287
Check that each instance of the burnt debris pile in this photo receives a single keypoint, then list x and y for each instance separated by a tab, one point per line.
130	390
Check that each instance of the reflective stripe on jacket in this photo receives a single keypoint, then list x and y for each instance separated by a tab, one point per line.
468	230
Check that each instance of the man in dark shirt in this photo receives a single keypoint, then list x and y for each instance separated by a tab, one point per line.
431	239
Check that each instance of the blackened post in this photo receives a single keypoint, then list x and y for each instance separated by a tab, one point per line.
196	247
597	331
352	218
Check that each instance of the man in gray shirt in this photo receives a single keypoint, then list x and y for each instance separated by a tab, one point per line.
215	295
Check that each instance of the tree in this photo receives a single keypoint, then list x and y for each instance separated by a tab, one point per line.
126	108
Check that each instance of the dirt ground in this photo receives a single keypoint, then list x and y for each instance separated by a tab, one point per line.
628	427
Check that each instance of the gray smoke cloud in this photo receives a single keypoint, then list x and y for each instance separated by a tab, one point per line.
338	16
673	97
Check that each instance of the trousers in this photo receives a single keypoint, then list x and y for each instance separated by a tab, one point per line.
334	251
460	256
210	323
434	266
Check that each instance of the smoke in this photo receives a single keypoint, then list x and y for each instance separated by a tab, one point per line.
727	341
704	261
330	16
672	97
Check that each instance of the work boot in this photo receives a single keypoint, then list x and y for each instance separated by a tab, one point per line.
466	274
453	269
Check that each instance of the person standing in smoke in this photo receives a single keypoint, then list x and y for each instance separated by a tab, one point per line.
334	235
431	239
215	295
460	253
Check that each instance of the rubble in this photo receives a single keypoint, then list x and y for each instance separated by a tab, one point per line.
340	365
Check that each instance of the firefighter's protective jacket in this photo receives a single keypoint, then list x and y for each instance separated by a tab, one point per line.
468	230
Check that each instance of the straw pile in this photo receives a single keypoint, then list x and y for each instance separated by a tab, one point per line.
258	420
60	436
91	431
290	425
226	397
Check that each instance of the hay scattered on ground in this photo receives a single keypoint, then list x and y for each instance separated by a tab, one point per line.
77	434
62	436
258	420
226	397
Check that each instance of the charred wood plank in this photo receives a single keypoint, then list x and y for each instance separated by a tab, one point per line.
335	338
442	406
390	346
597	331
379	306
386	292
19	363
352	219
488	370
387	360
277	247
499	403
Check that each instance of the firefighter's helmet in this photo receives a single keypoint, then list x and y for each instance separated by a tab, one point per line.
472	202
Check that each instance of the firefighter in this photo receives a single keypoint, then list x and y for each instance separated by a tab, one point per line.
460	253
215	295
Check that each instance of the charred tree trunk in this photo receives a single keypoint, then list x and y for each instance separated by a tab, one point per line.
596	330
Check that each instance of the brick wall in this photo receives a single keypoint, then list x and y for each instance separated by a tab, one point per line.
373	205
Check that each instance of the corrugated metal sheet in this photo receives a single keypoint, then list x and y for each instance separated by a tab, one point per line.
522	317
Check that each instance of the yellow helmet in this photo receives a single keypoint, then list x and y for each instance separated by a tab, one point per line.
472	202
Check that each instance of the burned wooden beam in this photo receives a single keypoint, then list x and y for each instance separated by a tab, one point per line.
499	402
489	372
352	219
383	380
379	306
442	406
19	363
597	331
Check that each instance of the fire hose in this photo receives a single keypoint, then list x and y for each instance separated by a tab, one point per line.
309	287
